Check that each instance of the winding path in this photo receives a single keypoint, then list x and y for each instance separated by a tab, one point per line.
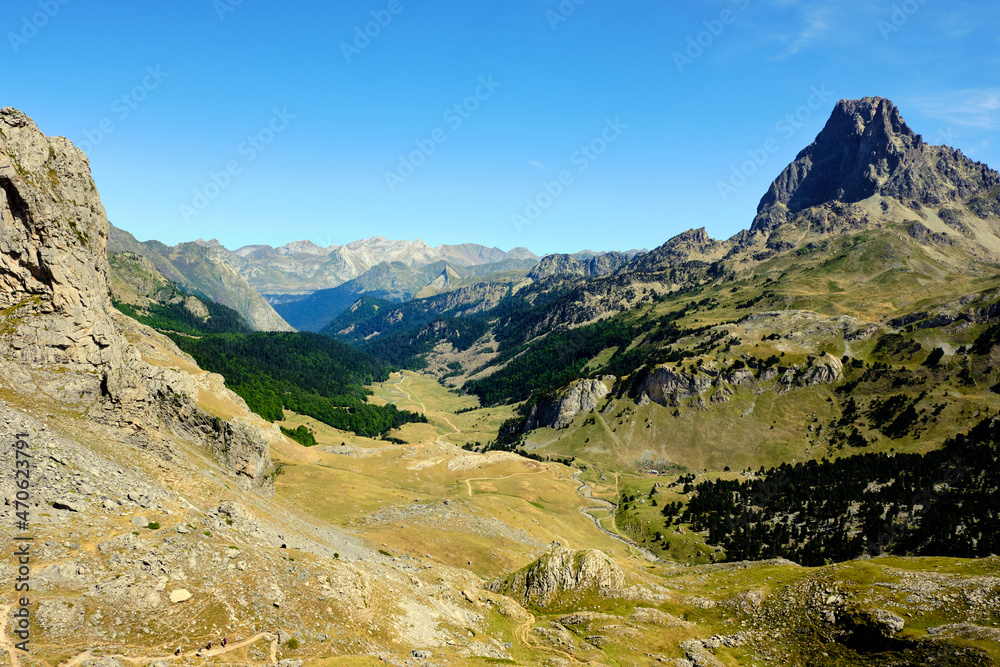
415	401
200	653
521	636
5	643
585	491
469	480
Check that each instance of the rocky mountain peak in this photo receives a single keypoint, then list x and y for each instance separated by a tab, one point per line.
866	149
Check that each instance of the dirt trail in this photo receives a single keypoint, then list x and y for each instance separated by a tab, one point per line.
416	401
585	491
522	634
453	427
469	480
5	643
200	653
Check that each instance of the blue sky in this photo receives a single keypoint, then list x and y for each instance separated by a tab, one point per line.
601	124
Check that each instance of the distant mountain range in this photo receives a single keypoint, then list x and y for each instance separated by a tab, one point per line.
304	286
303	267
197	270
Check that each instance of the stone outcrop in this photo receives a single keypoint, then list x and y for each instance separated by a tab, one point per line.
673	387
581	397
866	149
602	264
823	370
562	570
60	337
670	387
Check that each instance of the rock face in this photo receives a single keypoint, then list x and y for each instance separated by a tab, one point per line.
53	267
673	388
562	570
567	265
581	397
669	387
866	148
824	370
60	337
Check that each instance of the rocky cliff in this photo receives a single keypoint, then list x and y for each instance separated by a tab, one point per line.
671	387
675	387
53	268
60	338
559	411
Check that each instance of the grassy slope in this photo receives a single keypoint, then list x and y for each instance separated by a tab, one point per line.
543	502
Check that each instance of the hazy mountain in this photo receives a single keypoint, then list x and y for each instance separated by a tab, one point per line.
303	267
200	269
396	282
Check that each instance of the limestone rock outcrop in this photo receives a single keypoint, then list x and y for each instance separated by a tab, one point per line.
582	396
822	370
562	570
670	387
53	267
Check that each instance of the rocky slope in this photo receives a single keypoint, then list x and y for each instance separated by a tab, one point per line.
62	339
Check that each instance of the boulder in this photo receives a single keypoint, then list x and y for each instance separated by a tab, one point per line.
180	595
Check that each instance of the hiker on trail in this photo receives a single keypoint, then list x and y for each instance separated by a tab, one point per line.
224	641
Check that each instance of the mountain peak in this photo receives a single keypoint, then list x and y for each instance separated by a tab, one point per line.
866	149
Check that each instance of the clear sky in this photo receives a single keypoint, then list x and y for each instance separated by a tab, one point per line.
600	124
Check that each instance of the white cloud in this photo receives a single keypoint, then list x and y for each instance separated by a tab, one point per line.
817	24
979	108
